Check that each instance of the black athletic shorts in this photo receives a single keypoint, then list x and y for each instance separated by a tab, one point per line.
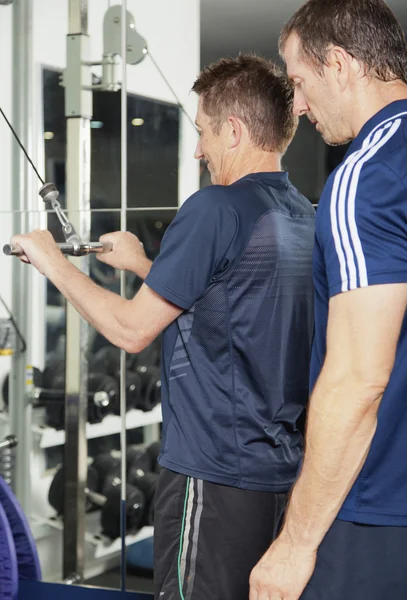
360	562
208	537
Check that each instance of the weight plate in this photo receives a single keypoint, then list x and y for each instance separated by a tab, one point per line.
8	560
25	548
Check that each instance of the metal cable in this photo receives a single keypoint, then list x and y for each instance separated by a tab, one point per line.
22	146
16	328
173	92
123	227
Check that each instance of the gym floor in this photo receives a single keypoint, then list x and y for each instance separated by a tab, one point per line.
136	582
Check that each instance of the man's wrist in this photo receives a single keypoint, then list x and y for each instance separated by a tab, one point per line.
142	267
298	529
298	539
55	265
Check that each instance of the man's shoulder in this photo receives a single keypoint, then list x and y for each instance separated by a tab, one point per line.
210	193
364	173
226	200
213	199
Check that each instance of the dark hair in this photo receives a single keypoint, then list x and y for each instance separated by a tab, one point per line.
254	90
366	29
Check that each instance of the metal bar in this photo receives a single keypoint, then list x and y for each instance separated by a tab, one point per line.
123	227
19	409
77	199
70	249
78	16
9	442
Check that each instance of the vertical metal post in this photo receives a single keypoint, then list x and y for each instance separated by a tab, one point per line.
19	408
78	108
123	227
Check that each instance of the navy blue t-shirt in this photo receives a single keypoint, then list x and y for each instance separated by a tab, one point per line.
361	240
238	259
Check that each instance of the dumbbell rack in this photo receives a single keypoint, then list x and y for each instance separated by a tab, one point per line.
101	554
109	426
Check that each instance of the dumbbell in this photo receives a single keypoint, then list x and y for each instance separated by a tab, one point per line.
150	356
147	483
103	395
150	387
135	507
109	463
37	380
133	389
49	392
153	451
107	360
105	464
137	458
109	501
99	384
146	364
141	467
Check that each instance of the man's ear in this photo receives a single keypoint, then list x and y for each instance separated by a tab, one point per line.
341	62
235	132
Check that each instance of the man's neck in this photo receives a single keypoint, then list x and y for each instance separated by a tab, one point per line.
256	162
373	98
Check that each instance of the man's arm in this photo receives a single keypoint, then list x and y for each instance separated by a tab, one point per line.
129	324
363	331
192	250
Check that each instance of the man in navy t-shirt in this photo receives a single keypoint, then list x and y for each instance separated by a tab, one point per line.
232	290
348	509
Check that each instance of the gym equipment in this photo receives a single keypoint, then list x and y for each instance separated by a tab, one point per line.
151	355
153	451
24	543
53	400
103	395
138	468
7	458
56	490
109	501
8	560
141	467
109	463
147	483
140	556
28	590
138	459
133	389
107	360
150	387
73	245
143	378
106	396
110	517
37	380
49	392
18	553
104	465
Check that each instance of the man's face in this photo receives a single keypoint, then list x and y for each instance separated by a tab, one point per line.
317	96
211	147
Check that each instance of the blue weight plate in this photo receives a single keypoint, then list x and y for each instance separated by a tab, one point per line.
25	548
141	554
8	560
